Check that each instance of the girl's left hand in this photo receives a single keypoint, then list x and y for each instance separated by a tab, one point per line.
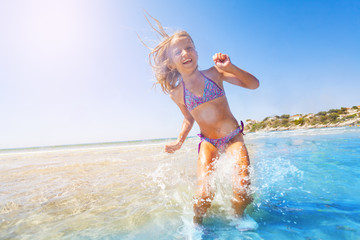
222	61
172	147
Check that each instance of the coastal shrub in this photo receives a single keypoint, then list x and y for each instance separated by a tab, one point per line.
276	124
285	122
355	107
333	116
299	121
265	119
335	111
256	126
350	116
323	119
321	114
286	116
268	122
314	121
343	110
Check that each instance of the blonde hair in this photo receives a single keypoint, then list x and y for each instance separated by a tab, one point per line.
160	58
160	61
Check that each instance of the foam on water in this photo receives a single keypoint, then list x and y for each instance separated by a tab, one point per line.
302	184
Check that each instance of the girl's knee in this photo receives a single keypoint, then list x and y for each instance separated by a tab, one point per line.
241	183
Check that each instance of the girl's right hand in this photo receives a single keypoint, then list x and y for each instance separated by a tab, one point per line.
222	61
172	147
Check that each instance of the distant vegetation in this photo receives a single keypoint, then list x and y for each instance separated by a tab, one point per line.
333	117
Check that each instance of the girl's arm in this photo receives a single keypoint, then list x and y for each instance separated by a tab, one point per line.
185	128
232	74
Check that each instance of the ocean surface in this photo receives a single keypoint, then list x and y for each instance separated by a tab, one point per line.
305	185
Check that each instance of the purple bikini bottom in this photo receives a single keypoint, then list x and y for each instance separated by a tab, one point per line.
220	143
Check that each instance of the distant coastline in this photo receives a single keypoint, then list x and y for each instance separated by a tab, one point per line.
333	118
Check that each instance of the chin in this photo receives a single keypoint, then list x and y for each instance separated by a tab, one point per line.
191	66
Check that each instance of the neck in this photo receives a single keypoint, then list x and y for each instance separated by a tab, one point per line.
191	77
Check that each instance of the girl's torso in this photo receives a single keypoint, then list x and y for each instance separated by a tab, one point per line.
210	110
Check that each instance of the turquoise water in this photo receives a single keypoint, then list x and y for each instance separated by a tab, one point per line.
304	183
318	198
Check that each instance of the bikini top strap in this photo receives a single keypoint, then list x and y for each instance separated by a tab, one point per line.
203	75
209	80
182	80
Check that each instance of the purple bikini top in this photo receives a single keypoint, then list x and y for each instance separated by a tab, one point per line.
211	91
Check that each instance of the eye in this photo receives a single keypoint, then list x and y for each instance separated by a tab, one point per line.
177	53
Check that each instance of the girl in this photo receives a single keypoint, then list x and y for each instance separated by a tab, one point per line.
201	97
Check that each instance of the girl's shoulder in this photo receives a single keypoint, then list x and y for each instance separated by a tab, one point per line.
176	93
213	74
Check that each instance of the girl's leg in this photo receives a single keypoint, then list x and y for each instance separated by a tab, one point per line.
237	150
204	195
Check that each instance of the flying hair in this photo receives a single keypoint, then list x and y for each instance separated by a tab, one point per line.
162	31
160	58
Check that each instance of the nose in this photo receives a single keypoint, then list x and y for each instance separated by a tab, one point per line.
184	52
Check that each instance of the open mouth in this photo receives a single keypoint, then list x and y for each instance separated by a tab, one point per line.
187	61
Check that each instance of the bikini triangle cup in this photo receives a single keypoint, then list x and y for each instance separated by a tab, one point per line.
211	92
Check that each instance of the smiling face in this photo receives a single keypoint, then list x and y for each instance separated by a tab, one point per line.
183	54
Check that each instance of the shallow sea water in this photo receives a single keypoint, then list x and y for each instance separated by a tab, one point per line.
304	183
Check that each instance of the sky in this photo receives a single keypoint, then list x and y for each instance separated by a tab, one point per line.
74	72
